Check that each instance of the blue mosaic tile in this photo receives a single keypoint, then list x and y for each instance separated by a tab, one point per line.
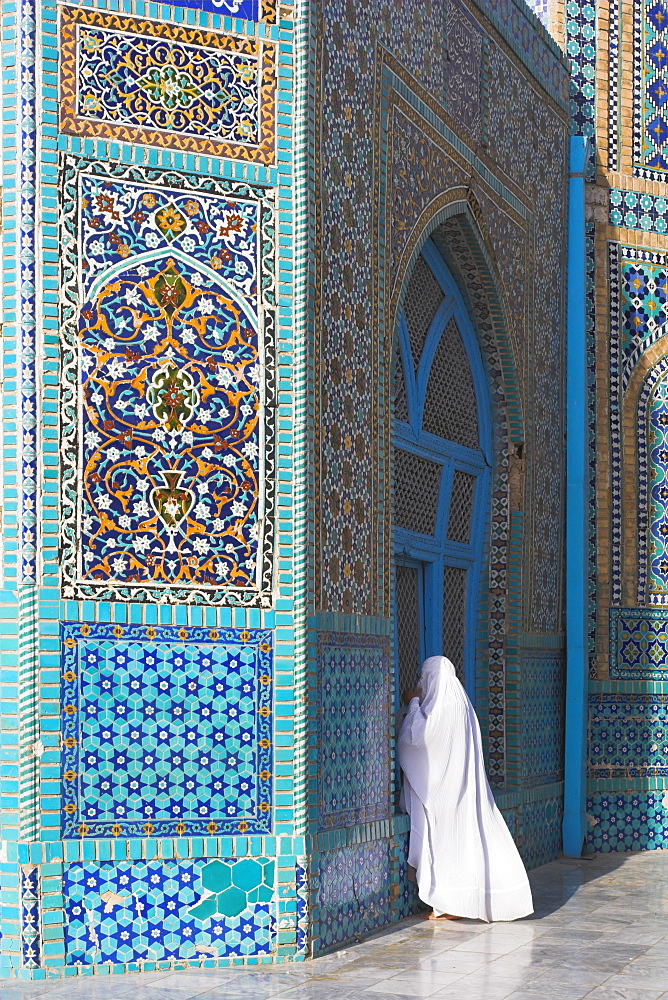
639	644
166	85
657	498
650	89
581	48
408	901
31	945
167	468
540	9
628	735
592	576
250	10
540	836
353	719
629	821
302	889
354	893
542	715
166	730
151	911
632	210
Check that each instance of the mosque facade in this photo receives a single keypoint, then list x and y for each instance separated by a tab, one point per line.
332	339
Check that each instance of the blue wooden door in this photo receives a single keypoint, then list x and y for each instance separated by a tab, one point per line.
442	459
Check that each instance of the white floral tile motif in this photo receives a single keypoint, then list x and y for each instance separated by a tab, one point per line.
168	452
168	85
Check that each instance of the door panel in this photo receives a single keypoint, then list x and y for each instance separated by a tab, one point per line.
441	474
409	625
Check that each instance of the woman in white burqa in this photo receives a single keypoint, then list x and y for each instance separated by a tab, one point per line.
467	864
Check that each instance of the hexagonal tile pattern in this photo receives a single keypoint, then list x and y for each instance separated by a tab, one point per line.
166	730
158	910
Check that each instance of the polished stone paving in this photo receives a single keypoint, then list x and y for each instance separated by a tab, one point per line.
600	931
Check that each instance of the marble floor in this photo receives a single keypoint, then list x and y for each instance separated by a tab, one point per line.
600	931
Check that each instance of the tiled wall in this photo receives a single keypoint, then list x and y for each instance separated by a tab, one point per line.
618	99
148	660
355	729
194	677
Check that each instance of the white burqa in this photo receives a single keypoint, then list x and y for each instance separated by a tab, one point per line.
466	861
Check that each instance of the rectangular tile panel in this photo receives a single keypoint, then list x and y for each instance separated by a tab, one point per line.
166	731
163	84
167	383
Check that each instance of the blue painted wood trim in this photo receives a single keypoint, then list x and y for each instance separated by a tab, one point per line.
574	824
433	553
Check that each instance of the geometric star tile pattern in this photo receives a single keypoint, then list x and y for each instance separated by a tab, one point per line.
166	730
627	821
354	689
138	911
581	47
638	644
638	211
628	735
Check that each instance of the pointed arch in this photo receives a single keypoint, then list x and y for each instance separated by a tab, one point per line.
455	231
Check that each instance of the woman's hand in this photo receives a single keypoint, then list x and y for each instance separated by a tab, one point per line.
408	696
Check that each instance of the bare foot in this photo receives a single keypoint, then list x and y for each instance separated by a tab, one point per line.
441	916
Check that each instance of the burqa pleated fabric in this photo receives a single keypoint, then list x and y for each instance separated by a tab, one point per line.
466	861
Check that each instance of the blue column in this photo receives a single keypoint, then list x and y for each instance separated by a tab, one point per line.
574	826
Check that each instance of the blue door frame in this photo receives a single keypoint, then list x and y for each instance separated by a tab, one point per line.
433	553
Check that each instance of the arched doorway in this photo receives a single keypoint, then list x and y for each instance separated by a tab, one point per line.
442	460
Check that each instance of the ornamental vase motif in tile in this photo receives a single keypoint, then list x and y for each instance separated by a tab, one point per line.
155	911
166	731
166	85
166	329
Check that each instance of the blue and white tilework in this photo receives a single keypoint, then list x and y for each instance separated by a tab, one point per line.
581	47
353	721
633	210
354	892
408	901
590	248
540	834
151	911
166	730
627	821
639	644
614	42
540	8
31	945
302	890
166	85
628	735
25	246
542	715
650	89
251	10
